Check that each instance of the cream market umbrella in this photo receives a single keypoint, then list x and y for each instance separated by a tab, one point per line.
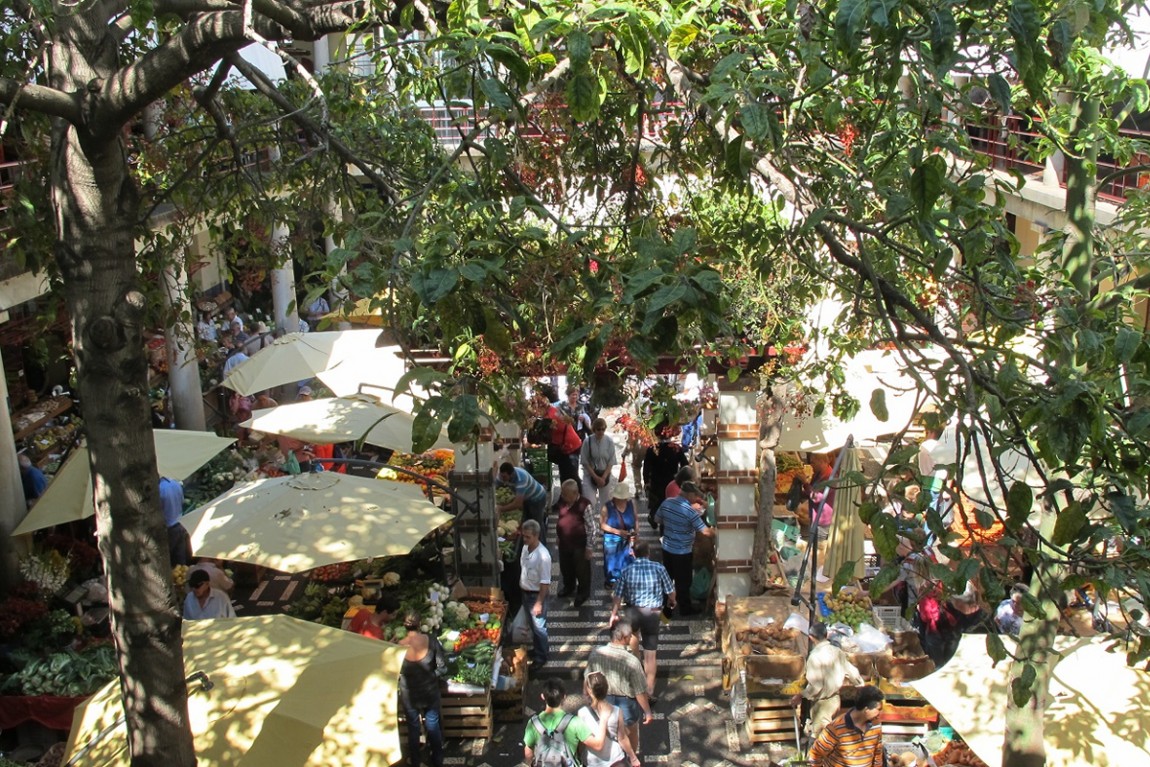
304	521
284	692
69	497
360	312
298	357
375	372
845	543
1097	714
867	373
340	419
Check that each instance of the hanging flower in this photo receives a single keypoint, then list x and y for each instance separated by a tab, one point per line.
47	569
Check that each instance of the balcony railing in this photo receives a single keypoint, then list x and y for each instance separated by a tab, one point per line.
1118	187
1008	142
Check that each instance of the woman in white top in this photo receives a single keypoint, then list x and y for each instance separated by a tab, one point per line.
616	750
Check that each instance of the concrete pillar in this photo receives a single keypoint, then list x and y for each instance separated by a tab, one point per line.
284	309
735	478
476	543
183	368
12	505
509	434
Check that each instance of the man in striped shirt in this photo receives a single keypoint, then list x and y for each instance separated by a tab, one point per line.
681	520
855	738
530	496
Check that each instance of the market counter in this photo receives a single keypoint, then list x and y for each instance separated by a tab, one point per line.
754	640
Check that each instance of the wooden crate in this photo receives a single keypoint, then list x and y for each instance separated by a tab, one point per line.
510	705
467	716
770	720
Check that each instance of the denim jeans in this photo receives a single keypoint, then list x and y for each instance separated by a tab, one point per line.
434	733
539	643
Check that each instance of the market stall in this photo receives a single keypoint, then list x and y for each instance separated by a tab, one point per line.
764	650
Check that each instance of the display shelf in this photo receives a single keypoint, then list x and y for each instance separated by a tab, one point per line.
30	420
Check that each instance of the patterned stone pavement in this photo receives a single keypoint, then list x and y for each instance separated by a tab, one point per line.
692	727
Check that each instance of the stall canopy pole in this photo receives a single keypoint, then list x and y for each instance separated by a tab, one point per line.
812	554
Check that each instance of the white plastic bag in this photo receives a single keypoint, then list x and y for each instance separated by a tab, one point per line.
798	622
870	639
520	629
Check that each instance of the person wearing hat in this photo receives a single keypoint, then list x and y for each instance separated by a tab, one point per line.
204	600
617	521
303	394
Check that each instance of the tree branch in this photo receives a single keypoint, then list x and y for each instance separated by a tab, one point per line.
37	98
268	89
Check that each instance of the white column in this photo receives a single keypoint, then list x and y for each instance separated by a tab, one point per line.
284	308
183	367
736	479
12	505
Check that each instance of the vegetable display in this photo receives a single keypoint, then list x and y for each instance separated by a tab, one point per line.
851	609
68	673
958	754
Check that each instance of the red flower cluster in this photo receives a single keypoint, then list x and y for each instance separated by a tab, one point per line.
17	612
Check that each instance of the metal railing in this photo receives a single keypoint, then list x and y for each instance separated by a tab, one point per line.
1008	141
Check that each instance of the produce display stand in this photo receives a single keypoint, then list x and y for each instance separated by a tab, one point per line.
742	615
770	716
509	705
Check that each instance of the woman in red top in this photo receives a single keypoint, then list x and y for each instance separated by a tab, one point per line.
370	624
564	444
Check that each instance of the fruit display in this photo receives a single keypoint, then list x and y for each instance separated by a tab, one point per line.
179	575
340	572
957	754
768	640
434	464
852	609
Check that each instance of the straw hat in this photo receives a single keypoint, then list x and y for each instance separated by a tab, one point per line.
621	491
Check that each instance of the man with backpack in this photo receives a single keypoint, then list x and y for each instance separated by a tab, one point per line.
553	736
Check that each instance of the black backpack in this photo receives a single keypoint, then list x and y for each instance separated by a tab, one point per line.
551	750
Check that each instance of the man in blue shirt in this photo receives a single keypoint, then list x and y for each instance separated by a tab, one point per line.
644	584
529	496
172	504
32	479
680	520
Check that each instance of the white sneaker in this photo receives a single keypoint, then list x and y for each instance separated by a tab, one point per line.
821	577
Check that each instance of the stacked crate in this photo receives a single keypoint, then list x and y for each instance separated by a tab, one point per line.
770	716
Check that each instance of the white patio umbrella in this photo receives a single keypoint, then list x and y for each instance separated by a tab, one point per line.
301	522
341	419
282	692
866	373
375	372
1096	713
979	480
69	496
297	357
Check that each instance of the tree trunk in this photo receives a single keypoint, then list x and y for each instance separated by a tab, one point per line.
770	425
1025	742
96	208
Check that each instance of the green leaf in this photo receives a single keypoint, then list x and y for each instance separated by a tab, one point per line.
738	157
637	284
496	94
999	91
926	183
495	333
1069	524
995	648
867	510
849	21
665	297
684	240
845	575
434	284
1126	344
1021	686
464	421
756	121
884	531
509	58
1019	502
878	404
884	579
634	46
583	96
473	271
681	37
579	49
425	429
425	377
